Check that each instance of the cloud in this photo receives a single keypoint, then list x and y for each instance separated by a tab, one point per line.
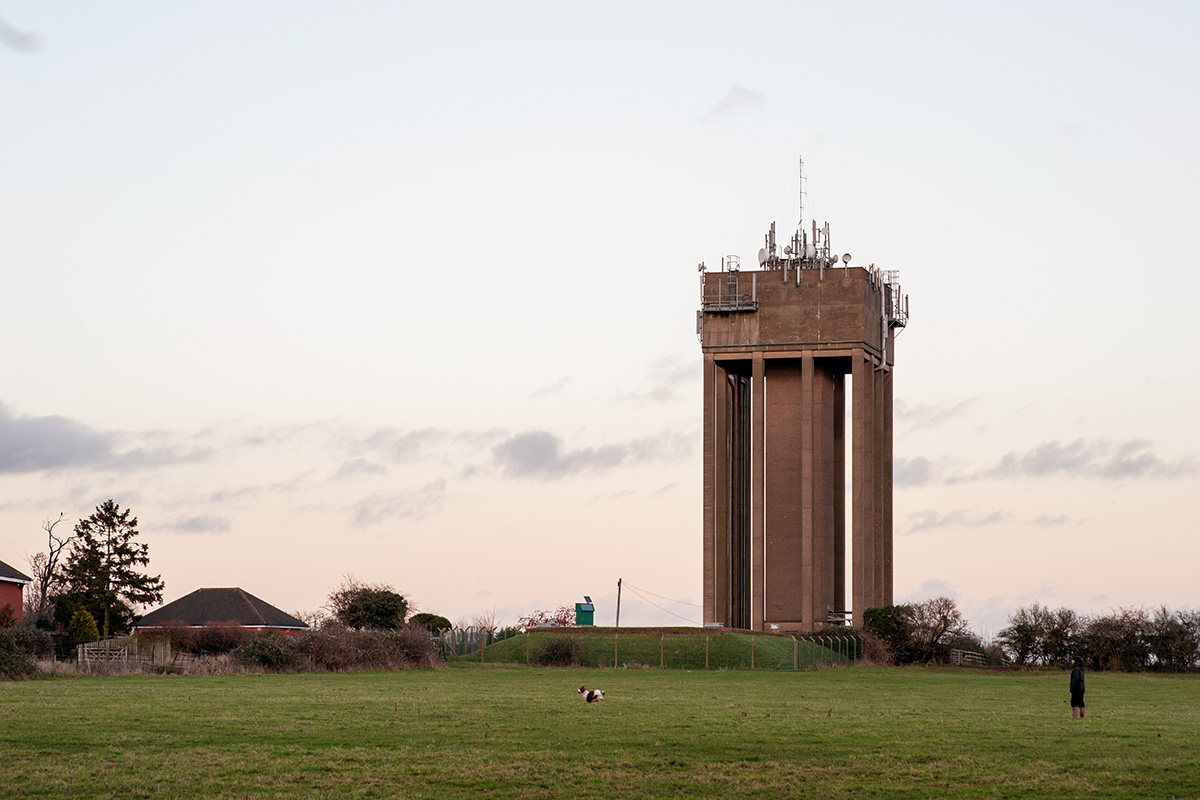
911	471
358	467
1038	595
553	390
737	100
929	519
1098	459
415	505
198	524
403	447
30	444
667	377
18	40
929	415
1046	521
934	587
540	454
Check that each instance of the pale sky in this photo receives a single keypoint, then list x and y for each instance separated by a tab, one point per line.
407	291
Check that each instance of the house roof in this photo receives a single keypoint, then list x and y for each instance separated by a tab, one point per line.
221	605
13	575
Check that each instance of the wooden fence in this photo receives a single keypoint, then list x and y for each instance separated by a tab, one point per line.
967	658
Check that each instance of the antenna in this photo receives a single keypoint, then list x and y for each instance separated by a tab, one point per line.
800	223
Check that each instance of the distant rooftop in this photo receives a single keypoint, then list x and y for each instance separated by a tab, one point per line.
13	575
205	606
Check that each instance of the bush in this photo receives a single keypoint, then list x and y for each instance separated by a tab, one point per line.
14	664
875	650
337	648
31	641
358	605
82	628
891	626
271	652
432	622
217	638
417	648
1117	641
558	651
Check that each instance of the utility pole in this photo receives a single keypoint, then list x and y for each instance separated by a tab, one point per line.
617	632
618	602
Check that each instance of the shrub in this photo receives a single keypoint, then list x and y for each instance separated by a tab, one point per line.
359	605
82	628
564	617
340	649
558	651
271	652
417	648
216	638
14	664
31	641
1175	639
432	622
1117	641
875	650
891	626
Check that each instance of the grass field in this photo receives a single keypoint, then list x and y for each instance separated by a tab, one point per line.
506	731
677	649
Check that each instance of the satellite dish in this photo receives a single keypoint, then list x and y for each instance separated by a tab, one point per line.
846	258
787	251
762	256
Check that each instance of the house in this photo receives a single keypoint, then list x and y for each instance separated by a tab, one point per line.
12	590
217	606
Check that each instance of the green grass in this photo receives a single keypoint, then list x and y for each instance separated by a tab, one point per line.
505	731
603	647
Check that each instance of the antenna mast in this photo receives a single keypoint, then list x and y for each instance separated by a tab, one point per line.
800	223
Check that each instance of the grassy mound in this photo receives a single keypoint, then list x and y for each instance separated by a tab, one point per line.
673	649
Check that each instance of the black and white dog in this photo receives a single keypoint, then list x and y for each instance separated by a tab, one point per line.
591	695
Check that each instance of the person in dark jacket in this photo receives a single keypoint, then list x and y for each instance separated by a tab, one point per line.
1076	688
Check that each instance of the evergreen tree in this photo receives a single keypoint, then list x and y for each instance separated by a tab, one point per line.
82	628
104	566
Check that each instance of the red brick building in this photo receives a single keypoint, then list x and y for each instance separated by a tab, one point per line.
12	589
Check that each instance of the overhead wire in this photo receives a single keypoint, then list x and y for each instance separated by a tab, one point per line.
659	596
660	608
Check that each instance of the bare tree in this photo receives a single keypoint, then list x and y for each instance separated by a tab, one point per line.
564	617
44	568
488	621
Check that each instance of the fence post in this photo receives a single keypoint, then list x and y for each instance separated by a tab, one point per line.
527	647
752	651
795	654
706	651
615	635
662	638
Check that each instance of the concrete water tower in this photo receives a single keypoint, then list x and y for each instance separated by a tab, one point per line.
779	342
